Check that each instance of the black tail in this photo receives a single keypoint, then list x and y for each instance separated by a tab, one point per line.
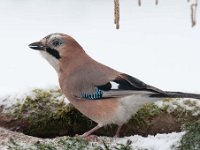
177	95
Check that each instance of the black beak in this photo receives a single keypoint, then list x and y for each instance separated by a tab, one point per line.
37	46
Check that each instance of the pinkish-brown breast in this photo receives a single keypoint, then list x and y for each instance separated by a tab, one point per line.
100	111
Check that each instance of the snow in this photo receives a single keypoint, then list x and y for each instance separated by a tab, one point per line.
18	97
20	138
192	105
158	142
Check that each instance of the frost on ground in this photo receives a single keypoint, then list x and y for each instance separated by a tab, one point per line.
15	140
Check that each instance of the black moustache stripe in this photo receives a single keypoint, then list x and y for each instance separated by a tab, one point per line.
53	52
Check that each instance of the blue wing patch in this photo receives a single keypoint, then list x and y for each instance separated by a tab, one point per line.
93	96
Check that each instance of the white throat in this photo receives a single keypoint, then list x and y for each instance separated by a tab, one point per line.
52	60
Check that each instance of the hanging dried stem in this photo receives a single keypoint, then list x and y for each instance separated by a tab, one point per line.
193	8
139	3
156	2
117	13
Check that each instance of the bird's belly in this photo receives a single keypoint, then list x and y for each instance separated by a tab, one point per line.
108	111
101	111
129	105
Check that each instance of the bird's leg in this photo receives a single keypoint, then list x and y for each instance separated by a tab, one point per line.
90	131
117	132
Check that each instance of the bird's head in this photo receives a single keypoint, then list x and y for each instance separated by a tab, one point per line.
56	46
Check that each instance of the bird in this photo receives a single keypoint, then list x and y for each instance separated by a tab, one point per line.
103	94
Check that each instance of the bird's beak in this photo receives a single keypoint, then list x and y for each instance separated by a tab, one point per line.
37	46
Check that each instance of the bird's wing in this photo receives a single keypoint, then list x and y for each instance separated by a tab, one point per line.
122	85
130	83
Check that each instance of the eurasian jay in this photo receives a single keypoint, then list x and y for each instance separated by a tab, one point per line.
101	93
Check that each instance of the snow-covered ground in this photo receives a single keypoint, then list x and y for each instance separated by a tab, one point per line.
17	97
159	142
192	105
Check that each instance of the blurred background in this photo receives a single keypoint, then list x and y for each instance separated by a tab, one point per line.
156	44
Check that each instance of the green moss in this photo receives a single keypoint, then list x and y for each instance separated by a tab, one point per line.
183	115
43	146
144	115
68	143
191	140
126	146
12	145
73	143
47	115
65	143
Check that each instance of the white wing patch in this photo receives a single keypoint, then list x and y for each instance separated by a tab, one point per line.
114	85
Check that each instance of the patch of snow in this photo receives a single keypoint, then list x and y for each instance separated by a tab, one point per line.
192	105
3	147
18	97
9	100
158	142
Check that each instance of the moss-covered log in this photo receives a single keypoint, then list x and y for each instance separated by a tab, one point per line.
46	114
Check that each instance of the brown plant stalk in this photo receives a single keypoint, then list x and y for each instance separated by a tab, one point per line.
116	13
193	8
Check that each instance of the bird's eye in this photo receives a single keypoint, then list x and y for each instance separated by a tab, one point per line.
56	43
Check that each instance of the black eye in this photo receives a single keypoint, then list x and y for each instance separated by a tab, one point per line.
56	43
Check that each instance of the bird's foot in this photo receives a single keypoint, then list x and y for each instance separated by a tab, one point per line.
117	132
92	138
87	135
115	136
